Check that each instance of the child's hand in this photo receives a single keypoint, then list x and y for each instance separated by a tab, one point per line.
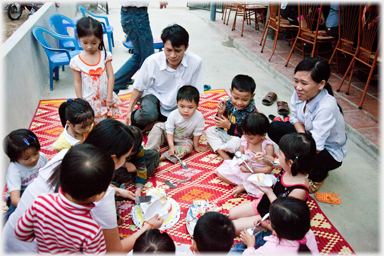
222	122
109	103
221	108
263	224
243	167
156	221
130	167
247	239
259	157
172	151
200	149
124	193
138	192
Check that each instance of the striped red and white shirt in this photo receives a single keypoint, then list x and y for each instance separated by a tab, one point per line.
60	226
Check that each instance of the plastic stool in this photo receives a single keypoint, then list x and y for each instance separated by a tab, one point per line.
157	44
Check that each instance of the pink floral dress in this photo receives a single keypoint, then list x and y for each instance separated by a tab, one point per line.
94	82
235	175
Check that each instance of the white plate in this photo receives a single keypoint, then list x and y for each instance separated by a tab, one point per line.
153	208
190	222
268	180
174	217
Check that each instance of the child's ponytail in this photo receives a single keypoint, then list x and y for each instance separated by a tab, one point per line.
75	111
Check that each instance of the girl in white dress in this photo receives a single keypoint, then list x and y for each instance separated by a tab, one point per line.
93	74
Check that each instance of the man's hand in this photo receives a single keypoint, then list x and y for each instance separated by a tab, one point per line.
222	122
128	118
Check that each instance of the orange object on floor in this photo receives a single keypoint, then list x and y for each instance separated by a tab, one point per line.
329	198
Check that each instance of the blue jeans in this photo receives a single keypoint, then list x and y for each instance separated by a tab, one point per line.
135	24
239	248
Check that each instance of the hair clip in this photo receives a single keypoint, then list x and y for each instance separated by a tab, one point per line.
69	100
32	137
26	141
297	157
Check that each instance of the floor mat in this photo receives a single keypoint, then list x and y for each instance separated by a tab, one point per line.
204	183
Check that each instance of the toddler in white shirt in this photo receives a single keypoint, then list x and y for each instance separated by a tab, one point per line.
183	128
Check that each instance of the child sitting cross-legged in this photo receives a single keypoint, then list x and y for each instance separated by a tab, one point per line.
253	144
23	149
139	165
225	135
62	222
183	128
214	233
290	224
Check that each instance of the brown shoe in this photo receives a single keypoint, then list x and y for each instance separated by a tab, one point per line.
314	186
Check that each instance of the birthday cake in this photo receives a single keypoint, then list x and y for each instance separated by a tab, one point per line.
166	205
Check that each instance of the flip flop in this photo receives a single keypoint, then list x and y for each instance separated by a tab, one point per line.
282	108
329	198
269	99
207	87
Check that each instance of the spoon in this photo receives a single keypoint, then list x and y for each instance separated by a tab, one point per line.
258	224
272	162
239	155
174	185
184	165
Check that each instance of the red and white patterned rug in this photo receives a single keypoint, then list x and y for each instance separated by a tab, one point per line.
204	184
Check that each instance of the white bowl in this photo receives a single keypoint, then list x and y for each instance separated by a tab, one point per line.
153	208
267	180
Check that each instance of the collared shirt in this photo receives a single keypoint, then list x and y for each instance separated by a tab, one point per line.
133	3
157	78
322	117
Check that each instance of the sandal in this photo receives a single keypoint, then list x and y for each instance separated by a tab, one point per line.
282	108
329	198
269	99
207	87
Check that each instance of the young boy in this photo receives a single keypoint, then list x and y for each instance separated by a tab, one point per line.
62	222
23	149
214	232
183	128
139	165
225	135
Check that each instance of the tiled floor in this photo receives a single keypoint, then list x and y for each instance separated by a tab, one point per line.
365	121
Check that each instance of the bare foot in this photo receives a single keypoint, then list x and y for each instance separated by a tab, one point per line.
162	158
223	154
239	189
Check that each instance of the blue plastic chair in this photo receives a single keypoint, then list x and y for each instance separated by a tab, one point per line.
59	24
107	29
157	44
63	57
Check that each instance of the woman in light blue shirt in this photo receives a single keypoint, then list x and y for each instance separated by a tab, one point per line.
315	110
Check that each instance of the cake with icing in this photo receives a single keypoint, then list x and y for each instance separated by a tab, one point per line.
166	205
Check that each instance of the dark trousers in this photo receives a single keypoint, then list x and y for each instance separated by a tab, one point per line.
324	161
149	112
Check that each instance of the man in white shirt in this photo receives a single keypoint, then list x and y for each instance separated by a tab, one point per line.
161	76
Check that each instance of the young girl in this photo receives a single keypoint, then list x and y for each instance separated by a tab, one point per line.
297	155
290	223
23	149
94	77
254	127
154	241
77	119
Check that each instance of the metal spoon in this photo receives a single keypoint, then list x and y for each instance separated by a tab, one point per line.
239	155
174	185
184	165
273	162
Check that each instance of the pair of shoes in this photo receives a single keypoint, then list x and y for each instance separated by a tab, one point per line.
269	99
329	198
314	186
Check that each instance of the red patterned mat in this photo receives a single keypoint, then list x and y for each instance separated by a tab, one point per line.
204	184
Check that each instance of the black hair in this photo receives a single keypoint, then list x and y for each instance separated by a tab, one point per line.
137	138
75	111
214	232
188	93
86	171
110	135
301	149
154	241
255	123
243	83
290	219
88	26
320	70
18	141
176	34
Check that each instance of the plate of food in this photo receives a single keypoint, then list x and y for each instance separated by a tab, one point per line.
262	179
196	210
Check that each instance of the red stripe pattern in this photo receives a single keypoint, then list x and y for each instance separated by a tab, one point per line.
60	226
